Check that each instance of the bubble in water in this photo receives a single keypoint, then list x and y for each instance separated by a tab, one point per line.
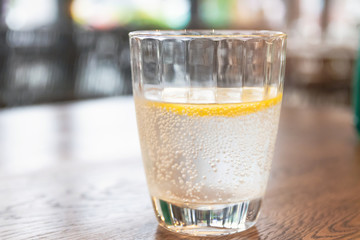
210	157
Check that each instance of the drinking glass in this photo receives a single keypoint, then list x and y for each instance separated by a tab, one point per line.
207	106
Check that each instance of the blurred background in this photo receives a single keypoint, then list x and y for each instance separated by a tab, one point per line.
60	50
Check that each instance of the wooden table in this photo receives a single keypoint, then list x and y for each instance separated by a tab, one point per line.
73	171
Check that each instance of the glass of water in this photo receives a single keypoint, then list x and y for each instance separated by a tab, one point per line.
208	106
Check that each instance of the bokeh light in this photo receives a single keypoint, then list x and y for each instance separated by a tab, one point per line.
22	15
109	14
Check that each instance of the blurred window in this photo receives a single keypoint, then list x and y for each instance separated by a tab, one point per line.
308	25
343	17
274	13
108	14
242	13
25	15
220	12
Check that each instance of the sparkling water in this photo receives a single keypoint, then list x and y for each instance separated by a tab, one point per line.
207	151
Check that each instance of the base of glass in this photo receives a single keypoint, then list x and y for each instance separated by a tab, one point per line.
207	220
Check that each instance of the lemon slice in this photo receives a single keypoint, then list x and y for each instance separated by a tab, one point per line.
216	109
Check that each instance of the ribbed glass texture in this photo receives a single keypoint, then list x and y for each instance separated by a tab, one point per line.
207	59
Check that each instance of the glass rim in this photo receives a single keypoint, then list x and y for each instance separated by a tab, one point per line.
208	33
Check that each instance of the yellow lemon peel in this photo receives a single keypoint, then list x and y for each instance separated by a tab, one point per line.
216	109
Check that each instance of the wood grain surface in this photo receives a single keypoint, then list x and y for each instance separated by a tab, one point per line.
74	171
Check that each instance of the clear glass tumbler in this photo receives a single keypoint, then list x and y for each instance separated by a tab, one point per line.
207	105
